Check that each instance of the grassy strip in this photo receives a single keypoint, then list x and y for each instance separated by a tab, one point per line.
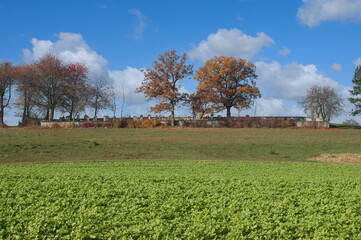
19	145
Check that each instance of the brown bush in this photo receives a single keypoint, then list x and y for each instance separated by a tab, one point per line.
147	123
54	125
265	123
88	125
289	123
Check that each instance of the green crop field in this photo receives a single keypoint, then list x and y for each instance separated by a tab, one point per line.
178	183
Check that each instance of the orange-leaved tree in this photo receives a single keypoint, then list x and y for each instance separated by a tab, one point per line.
199	105
162	82
228	82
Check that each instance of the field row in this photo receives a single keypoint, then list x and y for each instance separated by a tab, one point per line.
189	200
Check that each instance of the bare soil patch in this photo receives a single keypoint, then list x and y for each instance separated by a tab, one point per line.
345	158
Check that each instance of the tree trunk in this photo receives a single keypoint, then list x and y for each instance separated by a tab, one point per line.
1	111
228	111
47	114
1	117
24	111
51	114
172	117
95	112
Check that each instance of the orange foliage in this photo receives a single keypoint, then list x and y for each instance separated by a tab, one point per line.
228	82
199	104
161	83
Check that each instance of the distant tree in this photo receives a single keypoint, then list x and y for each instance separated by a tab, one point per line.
76	89
50	83
356	92
113	103
322	102
199	105
162	82
26	91
351	122
228	82
99	94
6	80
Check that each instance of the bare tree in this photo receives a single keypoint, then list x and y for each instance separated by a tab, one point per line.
322	102
25	88
50	83
76	90
123	102
113	102
100	94
6	81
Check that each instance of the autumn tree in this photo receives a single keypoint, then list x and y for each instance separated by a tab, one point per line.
26	91
6	81
50	83
321	102
76	89
356	92
99	94
162	82
199	105
228	82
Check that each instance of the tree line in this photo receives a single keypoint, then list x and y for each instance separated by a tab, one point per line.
49	84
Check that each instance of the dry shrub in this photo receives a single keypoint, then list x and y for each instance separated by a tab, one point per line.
147	123
289	123
88	125
69	125
120	123
131	124
264	123
198	124
54	125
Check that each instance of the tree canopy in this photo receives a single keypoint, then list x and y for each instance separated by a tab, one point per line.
162	81
322	102
228	82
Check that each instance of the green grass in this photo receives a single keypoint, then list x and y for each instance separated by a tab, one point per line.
178	183
19	145
180	199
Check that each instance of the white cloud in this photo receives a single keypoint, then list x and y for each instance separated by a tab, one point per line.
128	79
281	87
284	51
277	107
313	12
358	62
337	67
70	47
290	81
231	42
139	24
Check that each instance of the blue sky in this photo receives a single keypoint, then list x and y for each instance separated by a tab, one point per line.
294	44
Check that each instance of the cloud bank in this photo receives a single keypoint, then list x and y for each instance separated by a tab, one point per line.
231	42
71	47
313	12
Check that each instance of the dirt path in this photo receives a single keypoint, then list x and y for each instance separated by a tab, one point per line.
346	158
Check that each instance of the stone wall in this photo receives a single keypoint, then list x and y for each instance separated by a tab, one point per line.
185	121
